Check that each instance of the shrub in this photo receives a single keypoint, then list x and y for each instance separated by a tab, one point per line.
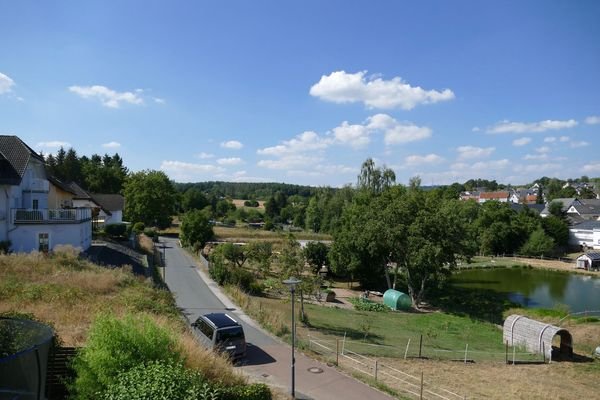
241	278
255	289
115	230
139	227
160	380
219	273
255	391
4	246
366	305
150	232
251	203
115	346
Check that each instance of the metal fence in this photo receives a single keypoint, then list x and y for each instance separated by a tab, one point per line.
375	361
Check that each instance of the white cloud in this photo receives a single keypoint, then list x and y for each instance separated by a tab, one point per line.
54	144
469	152
232	144
6	83
108	97
204	155
374	92
549	139
230	161
290	161
396	132
538	168
476	129
183	171
591	120
521	142
158	100
543	149
356	136
564	139
428	159
523	127
111	145
542	156
575	145
481	166
306	141
593	167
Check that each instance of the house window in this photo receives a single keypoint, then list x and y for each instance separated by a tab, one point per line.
36	204
43	242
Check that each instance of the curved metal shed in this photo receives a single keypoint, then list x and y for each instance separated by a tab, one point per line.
396	300
536	336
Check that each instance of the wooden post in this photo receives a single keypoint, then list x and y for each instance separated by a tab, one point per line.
421	396
337	351
420	345
344	343
406	351
466	350
376	367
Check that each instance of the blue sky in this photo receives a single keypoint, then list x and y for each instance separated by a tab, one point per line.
303	92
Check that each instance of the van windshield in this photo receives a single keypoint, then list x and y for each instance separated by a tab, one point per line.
227	335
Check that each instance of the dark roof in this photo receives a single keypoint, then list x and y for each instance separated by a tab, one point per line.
538	208
60	184
109	202
592	256
78	191
590	225
14	157
221	320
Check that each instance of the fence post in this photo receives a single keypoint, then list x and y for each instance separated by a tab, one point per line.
406	351
421	396
466	349
337	351
420	345
376	367
344	343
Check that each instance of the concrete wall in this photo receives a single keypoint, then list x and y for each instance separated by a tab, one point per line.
25	237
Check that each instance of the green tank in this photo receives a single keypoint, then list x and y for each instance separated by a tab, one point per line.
396	300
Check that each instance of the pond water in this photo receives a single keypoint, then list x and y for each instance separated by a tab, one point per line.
535	288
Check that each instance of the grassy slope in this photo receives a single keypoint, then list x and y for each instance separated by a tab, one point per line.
68	293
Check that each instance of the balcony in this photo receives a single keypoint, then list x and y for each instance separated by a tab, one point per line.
50	216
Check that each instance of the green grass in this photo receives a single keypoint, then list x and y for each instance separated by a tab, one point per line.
488	262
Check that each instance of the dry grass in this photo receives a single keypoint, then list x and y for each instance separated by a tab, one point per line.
68	292
270	318
501	381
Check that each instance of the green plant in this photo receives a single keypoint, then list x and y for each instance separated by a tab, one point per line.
115	230
160	380
255	391
117	345
139	227
367	305
150	232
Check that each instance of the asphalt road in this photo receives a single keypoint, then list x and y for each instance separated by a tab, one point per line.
268	359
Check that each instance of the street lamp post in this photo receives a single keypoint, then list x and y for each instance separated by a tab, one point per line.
292	283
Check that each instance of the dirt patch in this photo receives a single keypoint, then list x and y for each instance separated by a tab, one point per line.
552	265
240	203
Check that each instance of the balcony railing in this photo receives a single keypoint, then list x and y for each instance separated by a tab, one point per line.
50	216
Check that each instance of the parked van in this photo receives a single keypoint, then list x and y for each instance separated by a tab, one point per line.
221	332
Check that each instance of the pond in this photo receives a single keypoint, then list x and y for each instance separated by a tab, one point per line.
535	288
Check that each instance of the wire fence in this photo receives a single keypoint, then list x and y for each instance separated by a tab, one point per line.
376	361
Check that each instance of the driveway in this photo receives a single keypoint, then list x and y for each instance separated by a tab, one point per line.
269	359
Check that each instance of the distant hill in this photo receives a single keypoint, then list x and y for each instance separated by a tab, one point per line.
248	190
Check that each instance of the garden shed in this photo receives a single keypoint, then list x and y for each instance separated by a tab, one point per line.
396	300
589	261
537	336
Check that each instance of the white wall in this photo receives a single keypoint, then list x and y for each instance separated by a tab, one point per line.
24	238
579	237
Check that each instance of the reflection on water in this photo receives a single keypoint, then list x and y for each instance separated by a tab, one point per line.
533	288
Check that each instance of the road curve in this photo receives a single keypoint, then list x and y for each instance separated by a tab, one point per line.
269	359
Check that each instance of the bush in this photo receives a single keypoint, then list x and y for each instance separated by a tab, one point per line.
255	391
114	347
139	227
219	273
367	305
4	246
160	380
251	203
115	230
255	289
150	232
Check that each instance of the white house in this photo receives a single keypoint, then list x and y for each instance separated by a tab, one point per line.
26	219
108	208
585	234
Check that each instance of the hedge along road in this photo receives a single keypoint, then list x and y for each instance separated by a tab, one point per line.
268	359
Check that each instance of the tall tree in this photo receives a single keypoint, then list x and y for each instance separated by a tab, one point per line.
150	197
374	179
196	229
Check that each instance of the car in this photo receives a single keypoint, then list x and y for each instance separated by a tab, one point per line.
219	331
